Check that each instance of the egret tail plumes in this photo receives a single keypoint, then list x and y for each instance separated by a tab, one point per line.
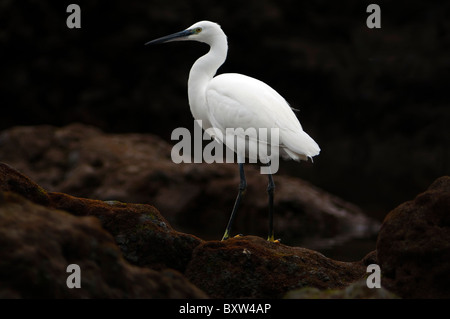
234	100
297	145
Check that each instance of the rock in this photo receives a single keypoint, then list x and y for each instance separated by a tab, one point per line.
13	181
413	246
370	258
146	238
251	267
197	198
38	243
356	290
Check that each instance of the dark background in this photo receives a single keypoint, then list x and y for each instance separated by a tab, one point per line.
375	100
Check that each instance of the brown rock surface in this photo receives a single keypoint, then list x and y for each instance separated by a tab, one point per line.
251	267
146	238
413	247
356	290
38	243
13	181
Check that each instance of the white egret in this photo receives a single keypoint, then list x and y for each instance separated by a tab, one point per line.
237	101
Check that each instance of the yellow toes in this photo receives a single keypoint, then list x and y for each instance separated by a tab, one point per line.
273	240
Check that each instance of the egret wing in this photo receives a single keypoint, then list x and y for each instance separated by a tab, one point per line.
239	101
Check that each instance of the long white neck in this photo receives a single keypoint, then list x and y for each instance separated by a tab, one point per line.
202	73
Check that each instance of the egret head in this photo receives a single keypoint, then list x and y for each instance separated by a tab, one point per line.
203	31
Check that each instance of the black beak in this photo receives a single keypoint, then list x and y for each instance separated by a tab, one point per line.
171	37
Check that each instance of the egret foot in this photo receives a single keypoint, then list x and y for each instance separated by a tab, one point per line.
226	235
273	240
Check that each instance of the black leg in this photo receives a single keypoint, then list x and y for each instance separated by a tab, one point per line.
270	191
242	188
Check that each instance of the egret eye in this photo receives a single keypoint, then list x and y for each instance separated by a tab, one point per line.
197	30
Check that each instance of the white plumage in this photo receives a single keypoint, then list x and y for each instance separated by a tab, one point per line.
235	100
